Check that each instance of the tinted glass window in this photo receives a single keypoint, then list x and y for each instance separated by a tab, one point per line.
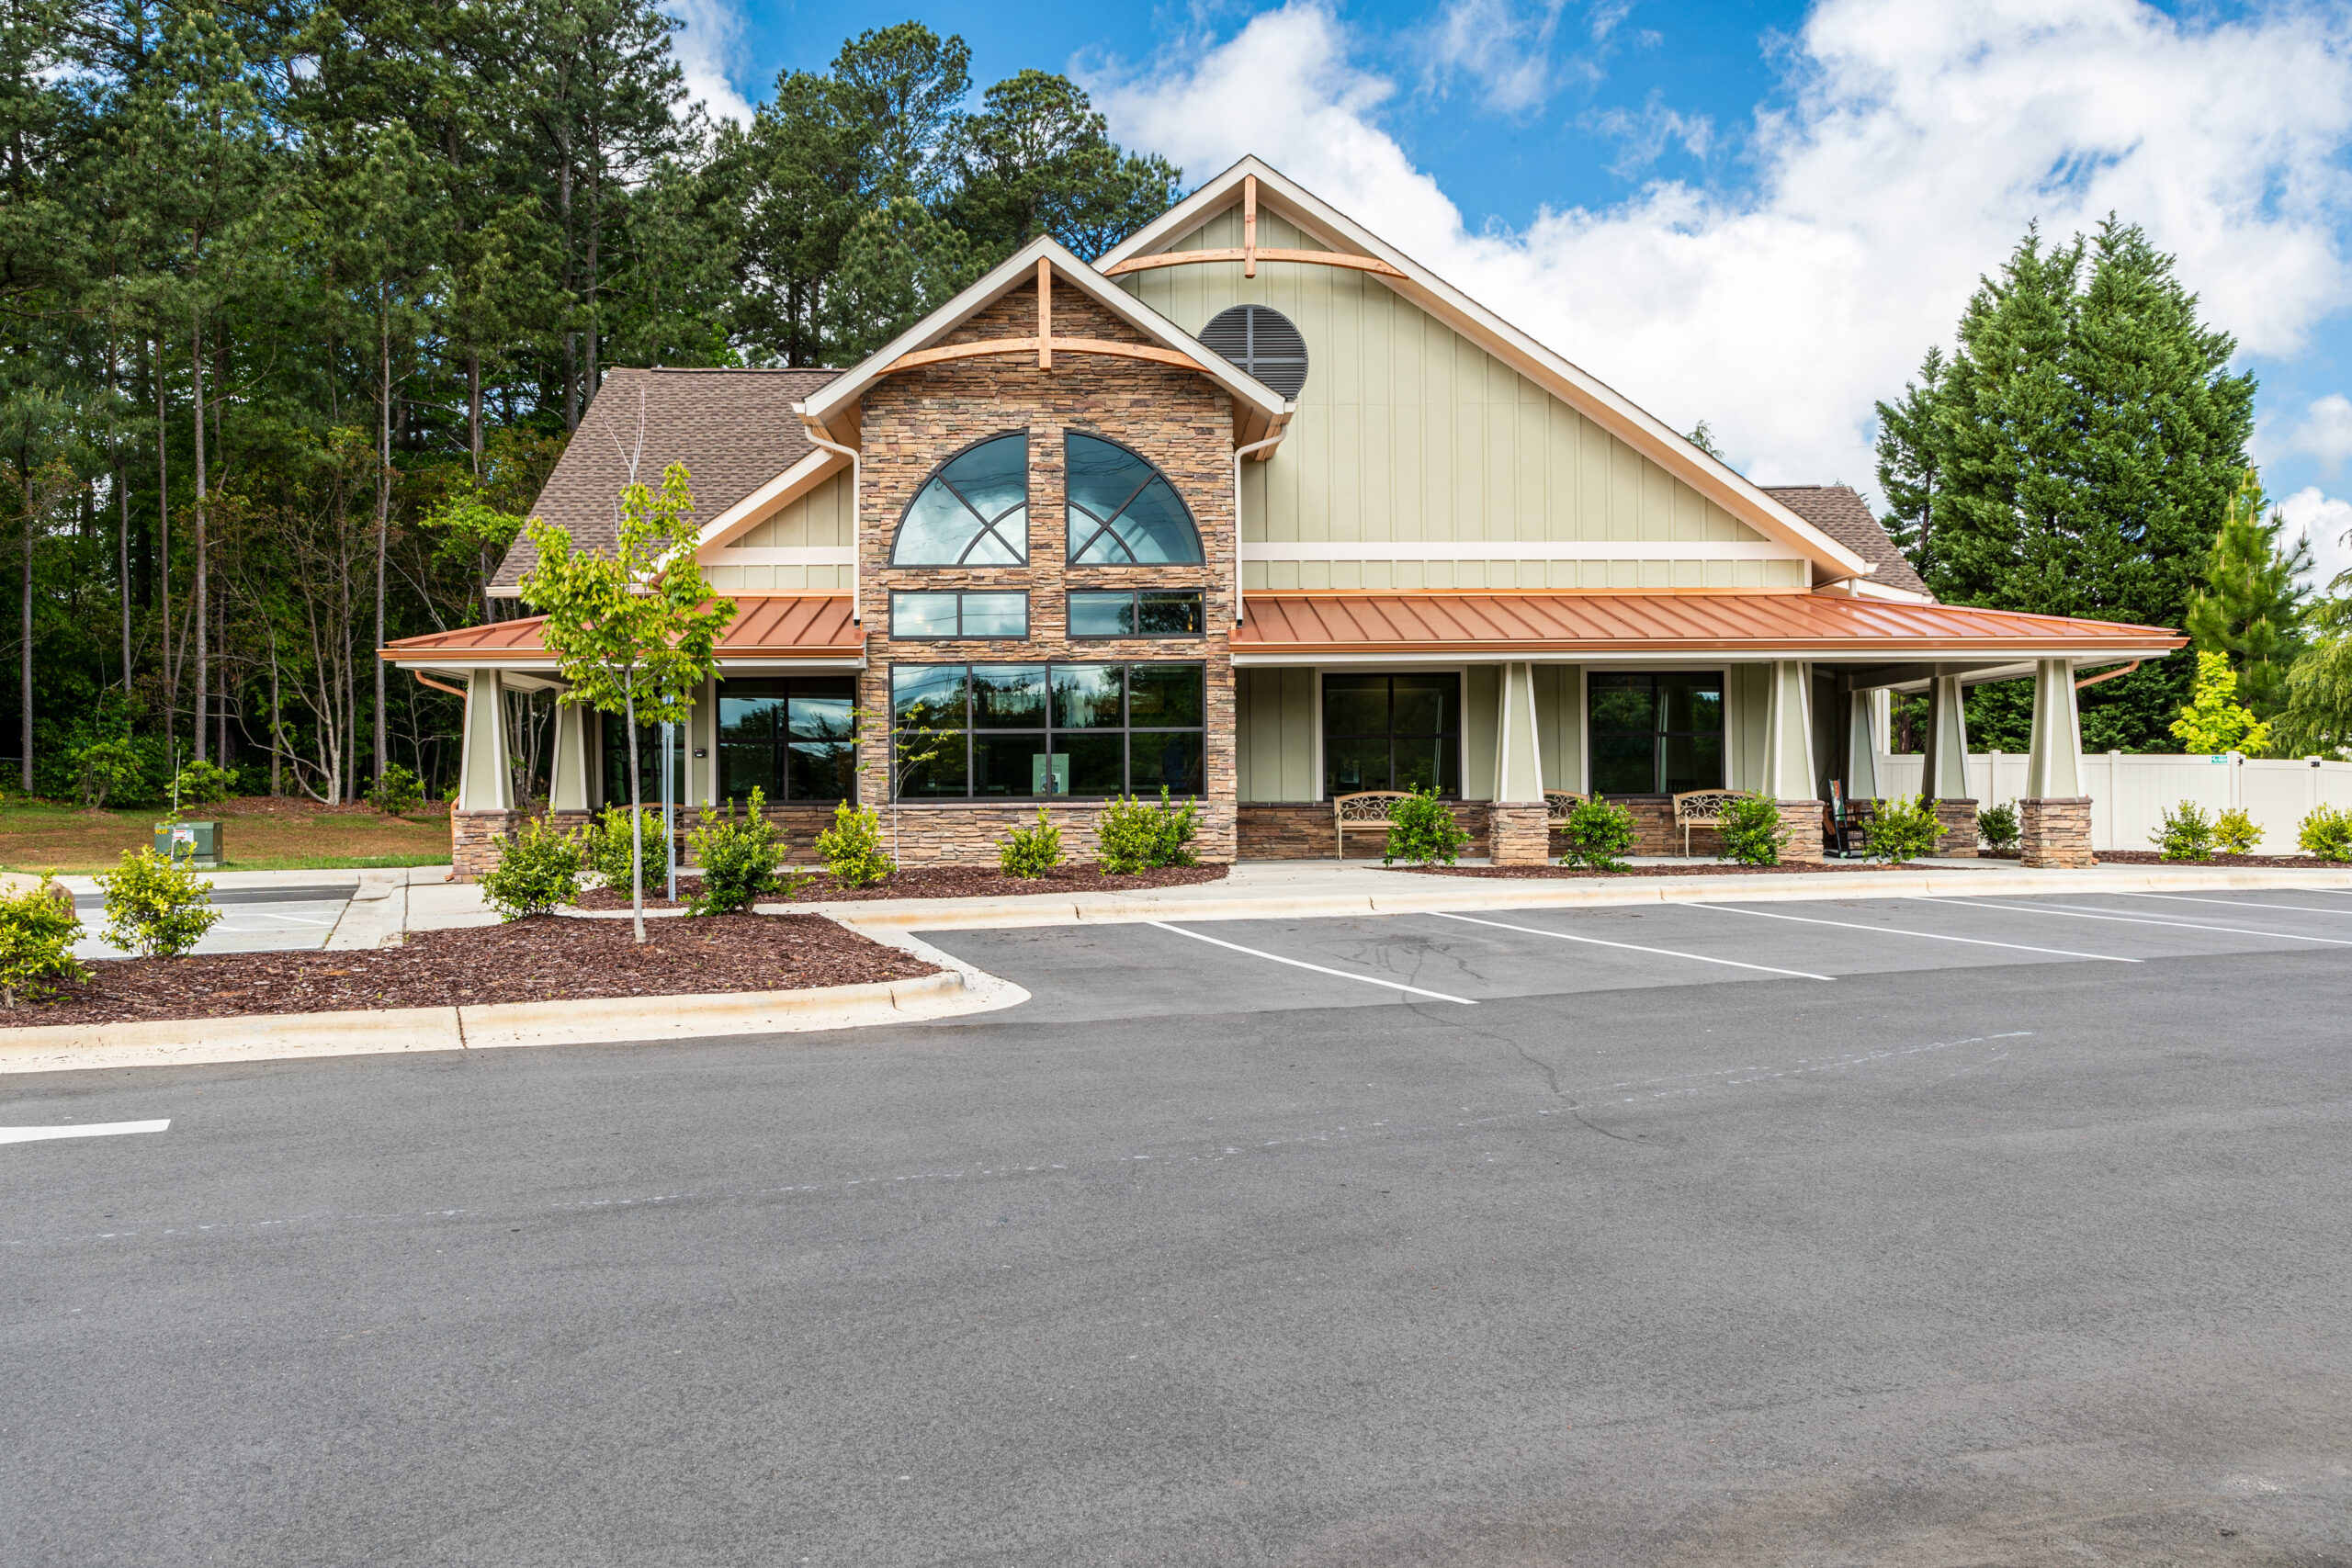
1391	732
1122	511
791	738
974	512
1656	734
1050	729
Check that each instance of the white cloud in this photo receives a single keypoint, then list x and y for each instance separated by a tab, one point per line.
2324	432
712	35
2326	522
1920	137
1496	43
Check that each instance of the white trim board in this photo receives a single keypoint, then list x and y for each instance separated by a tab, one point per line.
1522	549
780	554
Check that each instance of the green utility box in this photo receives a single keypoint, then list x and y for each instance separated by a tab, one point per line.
199	843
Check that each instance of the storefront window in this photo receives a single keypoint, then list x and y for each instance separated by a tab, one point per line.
793	739
1391	732
1022	731
1656	734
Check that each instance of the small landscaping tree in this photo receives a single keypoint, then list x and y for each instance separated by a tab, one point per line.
1903	829
37	931
537	871
1137	836
1997	826
635	633
2326	832
2236	834
2186	833
1422	831
155	907
2213	722
1751	831
110	769
1031	851
851	847
1600	834
738	859
397	793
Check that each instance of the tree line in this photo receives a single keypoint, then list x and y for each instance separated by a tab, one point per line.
2082	451
301	303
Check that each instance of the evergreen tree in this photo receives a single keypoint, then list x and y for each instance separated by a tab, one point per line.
2251	608
1910	464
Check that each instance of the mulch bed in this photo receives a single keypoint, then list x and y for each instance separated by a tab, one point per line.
2149	857
1541	872
957	882
544	958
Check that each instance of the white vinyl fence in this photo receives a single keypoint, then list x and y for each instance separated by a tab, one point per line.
2130	793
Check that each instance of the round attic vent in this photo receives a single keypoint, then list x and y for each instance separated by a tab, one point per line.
1261	341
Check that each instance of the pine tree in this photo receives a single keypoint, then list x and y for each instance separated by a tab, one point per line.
1910	464
2251	605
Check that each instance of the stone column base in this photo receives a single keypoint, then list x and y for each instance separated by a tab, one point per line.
1517	833
1956	835
2055	830
474	840
1801	832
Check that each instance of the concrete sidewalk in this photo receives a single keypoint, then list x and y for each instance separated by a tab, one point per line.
1295	889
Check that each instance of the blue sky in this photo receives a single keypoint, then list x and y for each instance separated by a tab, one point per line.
1756	214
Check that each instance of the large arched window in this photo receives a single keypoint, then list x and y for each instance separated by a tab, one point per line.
1122	513
973	512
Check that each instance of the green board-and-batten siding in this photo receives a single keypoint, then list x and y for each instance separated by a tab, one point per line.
1277	715
821	518
1409	433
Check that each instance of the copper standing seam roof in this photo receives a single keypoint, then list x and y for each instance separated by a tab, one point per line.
1503	624
769	625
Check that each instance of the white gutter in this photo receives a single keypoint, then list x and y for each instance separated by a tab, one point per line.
810	428
1239	453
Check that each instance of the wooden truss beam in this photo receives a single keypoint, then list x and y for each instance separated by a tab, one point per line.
1042	347
1249	256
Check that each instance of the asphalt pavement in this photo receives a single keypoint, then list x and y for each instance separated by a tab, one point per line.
2001	1231
252	919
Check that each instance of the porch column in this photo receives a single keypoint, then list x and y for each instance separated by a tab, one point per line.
568	783
1788	759
484	813
1517	834
1943	776
1861	746
2054	817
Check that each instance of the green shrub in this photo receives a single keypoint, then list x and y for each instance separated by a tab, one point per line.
1751	831
1903	829
108	770
1422	831
1600	833
607	845
37	931
2186	834
1136	837
2235	833
204	784
539	870
155	907
851	847
1031	851
1997	826
397	793
738	859
2327	834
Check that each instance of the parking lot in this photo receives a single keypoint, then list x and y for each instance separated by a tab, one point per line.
252	919
1468	957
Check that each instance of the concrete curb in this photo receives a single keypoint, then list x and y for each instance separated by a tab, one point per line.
875	917
596	1020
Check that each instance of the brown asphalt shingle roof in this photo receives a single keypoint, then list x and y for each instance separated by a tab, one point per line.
734	430
1845	517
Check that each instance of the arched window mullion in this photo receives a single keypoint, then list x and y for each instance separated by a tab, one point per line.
1169	533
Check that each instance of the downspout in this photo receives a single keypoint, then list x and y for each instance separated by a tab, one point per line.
810	428
1239	453
2106	675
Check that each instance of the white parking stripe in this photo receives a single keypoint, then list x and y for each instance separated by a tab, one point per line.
265	915
2075	912
1300	964
1898	931
87	1130
2236	903
1634	947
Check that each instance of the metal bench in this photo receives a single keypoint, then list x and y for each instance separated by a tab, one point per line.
1557	804
1367	809
1703	808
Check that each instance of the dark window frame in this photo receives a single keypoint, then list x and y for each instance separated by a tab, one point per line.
1458	734
959	634
614	780
1135	600
781	745
1071	547
1126	730
1658	734
963	563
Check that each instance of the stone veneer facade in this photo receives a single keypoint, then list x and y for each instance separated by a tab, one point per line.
475	838
1956	831
2055	831
912	421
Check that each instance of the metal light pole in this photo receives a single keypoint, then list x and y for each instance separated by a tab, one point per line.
669	804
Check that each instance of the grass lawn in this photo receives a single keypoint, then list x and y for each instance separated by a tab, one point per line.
259	834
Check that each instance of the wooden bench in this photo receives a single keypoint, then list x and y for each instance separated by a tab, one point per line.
1703	808
1366	809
